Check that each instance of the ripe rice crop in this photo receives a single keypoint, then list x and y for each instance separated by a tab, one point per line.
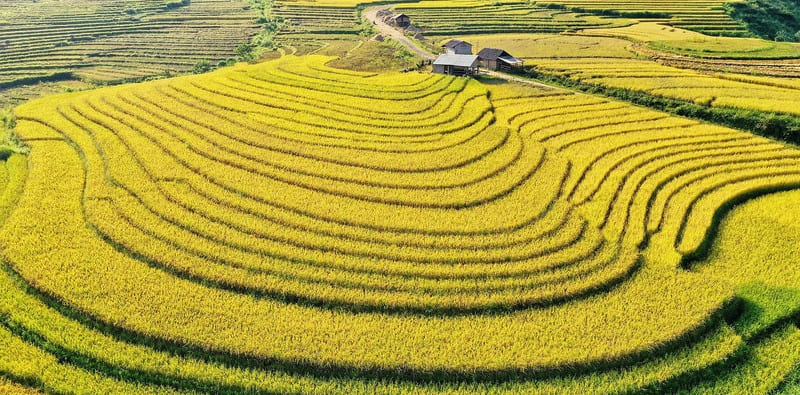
593	48
768	94
685	42
290	227
440	18
699	15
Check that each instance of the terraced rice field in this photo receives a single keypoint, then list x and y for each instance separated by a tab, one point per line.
719	89
309	28
553	46
289	227
684	42
706	16
613	62
117	40
438	18
781	68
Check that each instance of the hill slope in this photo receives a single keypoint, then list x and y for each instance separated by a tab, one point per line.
289	227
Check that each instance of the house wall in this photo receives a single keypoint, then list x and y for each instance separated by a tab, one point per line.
489	64
461	49
459	71
453	70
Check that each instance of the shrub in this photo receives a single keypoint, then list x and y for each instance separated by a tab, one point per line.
202	66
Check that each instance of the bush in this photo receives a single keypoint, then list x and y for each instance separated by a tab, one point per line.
245	51
177	3
202	66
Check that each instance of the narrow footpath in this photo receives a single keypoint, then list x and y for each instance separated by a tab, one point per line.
386	30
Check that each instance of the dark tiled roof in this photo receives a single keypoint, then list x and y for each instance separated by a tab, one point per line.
454	43
492	53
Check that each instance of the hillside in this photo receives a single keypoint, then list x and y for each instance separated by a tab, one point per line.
199	214
117	40
303	197
773	20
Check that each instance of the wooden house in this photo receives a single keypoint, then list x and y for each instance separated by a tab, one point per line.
457	47
458	65
400	20
498	59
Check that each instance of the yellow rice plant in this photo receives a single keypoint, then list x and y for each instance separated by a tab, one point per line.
204	234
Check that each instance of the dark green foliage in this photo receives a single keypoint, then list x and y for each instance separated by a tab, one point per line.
59	76
202	66
8	120
177	3
265	39
365	27
611	13
245	52
771	19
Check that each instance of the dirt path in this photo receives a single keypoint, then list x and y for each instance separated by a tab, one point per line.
513	78
386	30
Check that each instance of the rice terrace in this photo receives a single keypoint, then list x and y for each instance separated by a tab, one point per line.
410	197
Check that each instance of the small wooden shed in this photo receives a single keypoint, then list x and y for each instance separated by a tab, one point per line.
458	65
457	47
401	20
498	59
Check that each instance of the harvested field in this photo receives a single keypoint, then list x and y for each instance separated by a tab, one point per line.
118	40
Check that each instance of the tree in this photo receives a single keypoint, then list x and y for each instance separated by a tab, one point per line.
245	51
202	66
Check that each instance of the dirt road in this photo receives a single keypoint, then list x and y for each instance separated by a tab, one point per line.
386	30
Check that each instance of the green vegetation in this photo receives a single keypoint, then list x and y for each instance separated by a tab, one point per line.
388	55
264	41
777	20
169	4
